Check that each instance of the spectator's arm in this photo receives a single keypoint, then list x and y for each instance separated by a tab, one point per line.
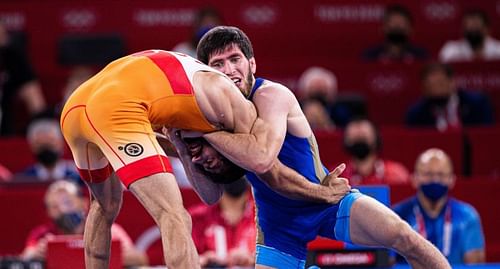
475	256
473	239
131	255
32	96
5	174
36	250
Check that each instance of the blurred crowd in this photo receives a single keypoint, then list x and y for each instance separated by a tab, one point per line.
224	234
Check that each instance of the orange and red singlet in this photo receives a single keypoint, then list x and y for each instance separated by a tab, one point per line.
108	120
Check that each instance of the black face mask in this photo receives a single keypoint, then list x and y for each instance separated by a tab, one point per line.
47	156
68	222
237	188
475	39
438	101
396	37
359	149
319	97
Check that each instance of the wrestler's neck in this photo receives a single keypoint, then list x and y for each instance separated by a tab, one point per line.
431	208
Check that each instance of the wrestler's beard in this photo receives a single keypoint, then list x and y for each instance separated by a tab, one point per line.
247	86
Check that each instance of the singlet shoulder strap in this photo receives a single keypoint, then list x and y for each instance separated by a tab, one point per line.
258	83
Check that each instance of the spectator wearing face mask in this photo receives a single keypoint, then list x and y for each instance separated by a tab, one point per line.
444	106
224	234
397	47
476	44
453	226
317	92
321	103
67	209
362	142
47	144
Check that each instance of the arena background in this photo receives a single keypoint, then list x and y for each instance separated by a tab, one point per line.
287	37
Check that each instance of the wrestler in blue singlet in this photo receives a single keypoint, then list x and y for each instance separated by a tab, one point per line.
285	226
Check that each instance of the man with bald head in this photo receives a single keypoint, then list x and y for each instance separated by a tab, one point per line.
317	92
453	226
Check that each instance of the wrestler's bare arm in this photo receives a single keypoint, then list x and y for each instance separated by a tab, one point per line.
291	184
258	151
223	104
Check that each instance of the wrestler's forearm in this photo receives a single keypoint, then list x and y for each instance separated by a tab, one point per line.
239	149
293	185
245	150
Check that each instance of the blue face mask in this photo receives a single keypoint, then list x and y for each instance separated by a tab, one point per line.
434	191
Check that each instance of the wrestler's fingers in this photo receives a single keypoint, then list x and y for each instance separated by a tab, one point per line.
338	170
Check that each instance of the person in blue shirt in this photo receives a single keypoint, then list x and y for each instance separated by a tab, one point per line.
47	144
286	221
453	226
446	106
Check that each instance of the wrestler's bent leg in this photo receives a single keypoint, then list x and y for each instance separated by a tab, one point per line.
106	200
161	197
373	224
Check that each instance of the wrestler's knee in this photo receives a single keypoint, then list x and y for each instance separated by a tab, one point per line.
176	218
404	239
109	209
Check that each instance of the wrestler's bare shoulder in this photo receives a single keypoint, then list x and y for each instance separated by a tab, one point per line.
211	83
272	90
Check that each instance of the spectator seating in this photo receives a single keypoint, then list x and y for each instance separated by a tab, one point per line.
404	145
29	211
332	35
15	154
22	209
400	144
485	148
329	34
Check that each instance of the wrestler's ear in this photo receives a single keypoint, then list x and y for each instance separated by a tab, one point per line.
253	65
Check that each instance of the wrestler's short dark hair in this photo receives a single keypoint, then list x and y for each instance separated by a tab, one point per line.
219	38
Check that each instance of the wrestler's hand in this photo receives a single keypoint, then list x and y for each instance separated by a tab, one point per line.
166	144
338	186
170	133
174	135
